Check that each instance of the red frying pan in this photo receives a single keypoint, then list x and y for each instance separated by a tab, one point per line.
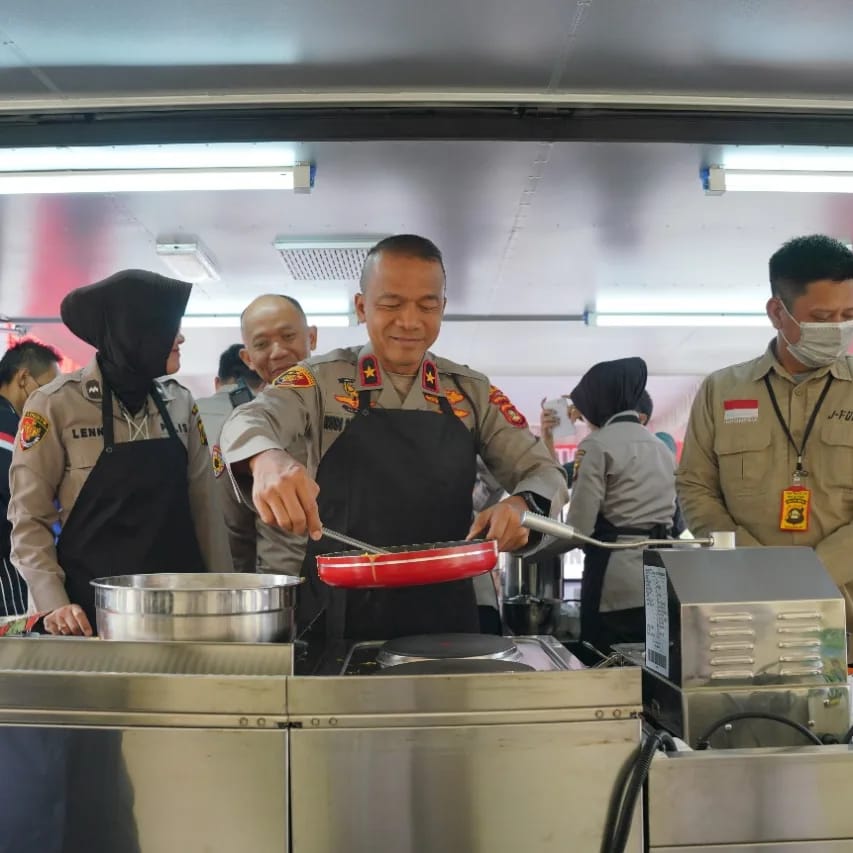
408	565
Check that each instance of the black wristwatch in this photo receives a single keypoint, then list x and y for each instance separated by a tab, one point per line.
530	499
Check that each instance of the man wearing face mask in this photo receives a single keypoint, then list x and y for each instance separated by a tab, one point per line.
769	447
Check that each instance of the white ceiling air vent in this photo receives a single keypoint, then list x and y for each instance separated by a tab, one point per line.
324	260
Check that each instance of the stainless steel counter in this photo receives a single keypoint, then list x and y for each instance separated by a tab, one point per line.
160	747
496	763
752	801
148	747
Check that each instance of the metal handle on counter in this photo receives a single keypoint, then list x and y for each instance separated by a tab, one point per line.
542	524
353	543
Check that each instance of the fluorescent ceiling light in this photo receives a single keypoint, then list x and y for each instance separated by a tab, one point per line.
285	243
187	261
219	155
676	320
717	180
232	321
299	178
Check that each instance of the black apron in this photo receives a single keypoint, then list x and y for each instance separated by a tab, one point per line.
603	630
394	477
132	515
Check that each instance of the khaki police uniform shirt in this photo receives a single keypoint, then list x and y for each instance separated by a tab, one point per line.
60	456
214	410
255	546
737	460
627	475
316	399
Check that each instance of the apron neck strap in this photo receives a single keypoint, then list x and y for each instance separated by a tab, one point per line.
107	415
164	412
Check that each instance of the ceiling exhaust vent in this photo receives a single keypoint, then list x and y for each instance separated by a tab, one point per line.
324	260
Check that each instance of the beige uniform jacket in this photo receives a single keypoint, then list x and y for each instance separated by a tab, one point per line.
316	400
55	466
255	546
214	410
626	475
737	460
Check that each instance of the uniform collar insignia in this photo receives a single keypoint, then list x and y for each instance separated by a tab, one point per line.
429	377
369	374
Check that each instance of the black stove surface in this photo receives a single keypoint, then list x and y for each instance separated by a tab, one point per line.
449	646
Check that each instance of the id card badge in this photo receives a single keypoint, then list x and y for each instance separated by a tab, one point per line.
795	509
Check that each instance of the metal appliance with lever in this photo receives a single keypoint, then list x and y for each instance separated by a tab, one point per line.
736	636
533	584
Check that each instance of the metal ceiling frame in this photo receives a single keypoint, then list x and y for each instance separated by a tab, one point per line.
421	98
515	123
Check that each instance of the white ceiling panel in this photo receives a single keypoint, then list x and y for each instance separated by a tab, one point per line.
781	47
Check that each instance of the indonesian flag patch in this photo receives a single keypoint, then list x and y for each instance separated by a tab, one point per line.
740	411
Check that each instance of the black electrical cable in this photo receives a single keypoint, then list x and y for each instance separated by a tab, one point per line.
618	826
704	740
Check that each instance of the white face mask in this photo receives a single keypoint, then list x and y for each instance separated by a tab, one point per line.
820	344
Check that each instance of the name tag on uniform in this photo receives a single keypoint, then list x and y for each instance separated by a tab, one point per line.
795	509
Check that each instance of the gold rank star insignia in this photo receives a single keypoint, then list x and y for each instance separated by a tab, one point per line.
370	371
430	377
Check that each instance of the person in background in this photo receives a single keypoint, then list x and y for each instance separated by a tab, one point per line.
645	408
235	383
548	421
623	488
276	335
392	435
769	446
126	456
669	441
25	367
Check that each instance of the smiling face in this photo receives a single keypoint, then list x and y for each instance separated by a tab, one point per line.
173	362
402	306
275	336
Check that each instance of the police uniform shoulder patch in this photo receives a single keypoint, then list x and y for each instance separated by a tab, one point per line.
297	376
217	461
32	430
507	409
93	389
579	454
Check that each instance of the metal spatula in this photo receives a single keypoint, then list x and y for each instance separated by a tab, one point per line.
353	543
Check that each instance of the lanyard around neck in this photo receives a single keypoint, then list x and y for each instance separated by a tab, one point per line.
801	450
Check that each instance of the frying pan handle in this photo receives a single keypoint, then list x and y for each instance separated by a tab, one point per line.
542	524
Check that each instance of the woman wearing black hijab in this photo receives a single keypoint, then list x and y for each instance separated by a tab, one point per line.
623	487
124	455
